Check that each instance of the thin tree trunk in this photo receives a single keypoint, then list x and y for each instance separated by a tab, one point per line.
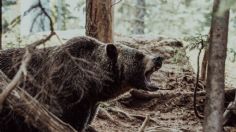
205	58
138	25
1	25
216	71
99	20
204	65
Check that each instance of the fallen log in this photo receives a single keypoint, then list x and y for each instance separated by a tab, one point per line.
140	94
33	112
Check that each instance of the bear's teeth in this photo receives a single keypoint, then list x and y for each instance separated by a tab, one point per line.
148	76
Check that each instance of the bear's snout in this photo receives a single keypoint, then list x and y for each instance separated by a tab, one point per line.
157	62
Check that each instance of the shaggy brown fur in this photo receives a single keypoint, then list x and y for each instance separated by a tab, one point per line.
72	79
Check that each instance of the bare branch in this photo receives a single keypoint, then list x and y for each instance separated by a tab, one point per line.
141	129
116	3
41	41
46	14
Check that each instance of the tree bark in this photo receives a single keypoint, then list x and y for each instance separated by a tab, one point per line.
204	65
216	71
33	112
205	58
1	25
99	20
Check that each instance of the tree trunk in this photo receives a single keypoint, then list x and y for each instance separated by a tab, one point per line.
1	25
139	12
99	20
60	14
216	71
205	58
204	65
33	112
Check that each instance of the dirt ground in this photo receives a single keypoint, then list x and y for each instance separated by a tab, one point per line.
171	107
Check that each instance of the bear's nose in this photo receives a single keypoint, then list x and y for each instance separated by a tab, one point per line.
158	61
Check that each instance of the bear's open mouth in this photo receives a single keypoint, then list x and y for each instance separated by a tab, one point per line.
149	85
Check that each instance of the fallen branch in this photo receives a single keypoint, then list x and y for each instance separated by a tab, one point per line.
141	129
33	112
144	95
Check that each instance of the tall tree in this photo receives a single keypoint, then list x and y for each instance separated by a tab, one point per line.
59	5
1	25
216	70
99	20
138	25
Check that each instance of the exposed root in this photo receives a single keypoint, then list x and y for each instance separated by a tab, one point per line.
119	111
163	129
141	117
104	114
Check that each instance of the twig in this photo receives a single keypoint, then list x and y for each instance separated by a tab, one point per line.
116	3
141	129
46	14
41	41
59	38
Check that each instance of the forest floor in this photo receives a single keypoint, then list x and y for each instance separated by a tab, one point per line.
171	108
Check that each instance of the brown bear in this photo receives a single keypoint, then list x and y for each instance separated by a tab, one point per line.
70	80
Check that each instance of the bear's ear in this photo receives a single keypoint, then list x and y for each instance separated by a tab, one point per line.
111	51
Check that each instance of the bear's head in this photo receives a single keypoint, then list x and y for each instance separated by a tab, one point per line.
129	67
136	68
